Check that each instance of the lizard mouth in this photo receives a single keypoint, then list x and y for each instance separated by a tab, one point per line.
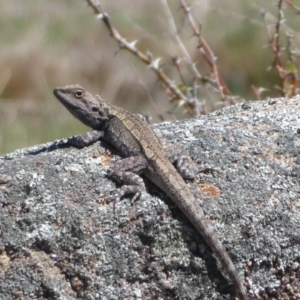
60	95
57	93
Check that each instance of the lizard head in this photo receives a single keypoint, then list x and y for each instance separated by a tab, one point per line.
89	109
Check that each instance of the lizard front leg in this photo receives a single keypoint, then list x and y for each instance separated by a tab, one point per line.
126	171
86	139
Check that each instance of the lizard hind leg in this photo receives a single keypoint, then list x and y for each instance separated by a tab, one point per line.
126	172
184	164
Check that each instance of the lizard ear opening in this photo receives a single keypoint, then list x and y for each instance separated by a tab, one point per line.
79	93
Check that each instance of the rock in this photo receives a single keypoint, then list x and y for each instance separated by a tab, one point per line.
59	238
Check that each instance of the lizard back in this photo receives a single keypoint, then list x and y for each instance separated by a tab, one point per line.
162	172
134	138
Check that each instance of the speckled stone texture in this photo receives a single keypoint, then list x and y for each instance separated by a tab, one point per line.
59	239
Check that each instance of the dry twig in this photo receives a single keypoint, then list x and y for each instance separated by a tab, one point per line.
184	94
286	71
206	52
146	58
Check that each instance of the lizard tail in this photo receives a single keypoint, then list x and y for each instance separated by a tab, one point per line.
206	230
187	203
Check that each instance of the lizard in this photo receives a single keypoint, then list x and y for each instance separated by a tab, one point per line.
143	153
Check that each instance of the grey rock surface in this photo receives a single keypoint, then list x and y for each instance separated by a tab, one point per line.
59	238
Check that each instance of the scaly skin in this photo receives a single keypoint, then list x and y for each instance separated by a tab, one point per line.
135	139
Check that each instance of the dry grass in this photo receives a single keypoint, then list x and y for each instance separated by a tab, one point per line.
53	43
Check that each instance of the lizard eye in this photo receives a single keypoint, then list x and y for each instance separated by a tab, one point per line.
78	94
94	108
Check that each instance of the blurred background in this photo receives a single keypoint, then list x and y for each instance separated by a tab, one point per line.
44	44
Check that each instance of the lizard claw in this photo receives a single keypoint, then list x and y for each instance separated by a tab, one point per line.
116	195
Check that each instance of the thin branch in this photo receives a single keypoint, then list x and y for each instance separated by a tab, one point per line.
293	6
206	52
175	35
276	41
124	44
285	70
